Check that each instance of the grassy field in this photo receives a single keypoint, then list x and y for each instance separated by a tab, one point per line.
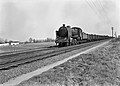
21	47
98	68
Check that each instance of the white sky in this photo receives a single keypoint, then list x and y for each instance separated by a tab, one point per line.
21	19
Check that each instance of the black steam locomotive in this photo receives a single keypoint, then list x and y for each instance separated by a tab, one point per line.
67	35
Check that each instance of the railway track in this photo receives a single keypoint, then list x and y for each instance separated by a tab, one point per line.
23	51
31	57
19	55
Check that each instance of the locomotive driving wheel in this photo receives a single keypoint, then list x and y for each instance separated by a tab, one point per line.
63	44
74	42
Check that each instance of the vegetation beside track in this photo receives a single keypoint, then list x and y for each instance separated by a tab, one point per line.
98	68
22	47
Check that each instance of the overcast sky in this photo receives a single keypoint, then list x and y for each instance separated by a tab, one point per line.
21	19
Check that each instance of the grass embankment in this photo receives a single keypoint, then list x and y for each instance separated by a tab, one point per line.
97	68
23	47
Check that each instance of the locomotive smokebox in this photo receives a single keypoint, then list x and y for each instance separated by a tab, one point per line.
63	32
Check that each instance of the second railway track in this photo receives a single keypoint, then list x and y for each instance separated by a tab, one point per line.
40	56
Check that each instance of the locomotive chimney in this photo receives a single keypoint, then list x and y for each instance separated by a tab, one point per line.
63	25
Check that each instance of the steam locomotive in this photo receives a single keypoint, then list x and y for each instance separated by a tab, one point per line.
67	35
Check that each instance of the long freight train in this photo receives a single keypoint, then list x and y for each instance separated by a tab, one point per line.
67	35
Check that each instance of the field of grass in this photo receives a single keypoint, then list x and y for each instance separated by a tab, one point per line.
98	68
21	47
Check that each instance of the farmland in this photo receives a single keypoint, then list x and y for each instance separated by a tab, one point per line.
22	47
98	68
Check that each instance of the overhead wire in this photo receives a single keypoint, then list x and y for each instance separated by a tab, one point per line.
96	10
93	7
90	5
104	17
105	13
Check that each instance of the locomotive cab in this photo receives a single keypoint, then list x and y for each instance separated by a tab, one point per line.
76	33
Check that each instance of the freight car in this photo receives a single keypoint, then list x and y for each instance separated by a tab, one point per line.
67	35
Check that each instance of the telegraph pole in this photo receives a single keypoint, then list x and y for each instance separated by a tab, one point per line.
115	35
112	31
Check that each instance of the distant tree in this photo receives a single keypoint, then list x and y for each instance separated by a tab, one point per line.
26	42
118	36
30	40
10	42
2	41
48	40
34	41
6	41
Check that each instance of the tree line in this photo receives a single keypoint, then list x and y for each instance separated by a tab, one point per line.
31	40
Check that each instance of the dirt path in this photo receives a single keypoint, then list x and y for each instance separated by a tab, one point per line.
19	79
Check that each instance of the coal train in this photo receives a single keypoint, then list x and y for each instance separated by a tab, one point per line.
67	36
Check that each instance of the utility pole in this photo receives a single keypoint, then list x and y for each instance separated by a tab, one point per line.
115	35
112	31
